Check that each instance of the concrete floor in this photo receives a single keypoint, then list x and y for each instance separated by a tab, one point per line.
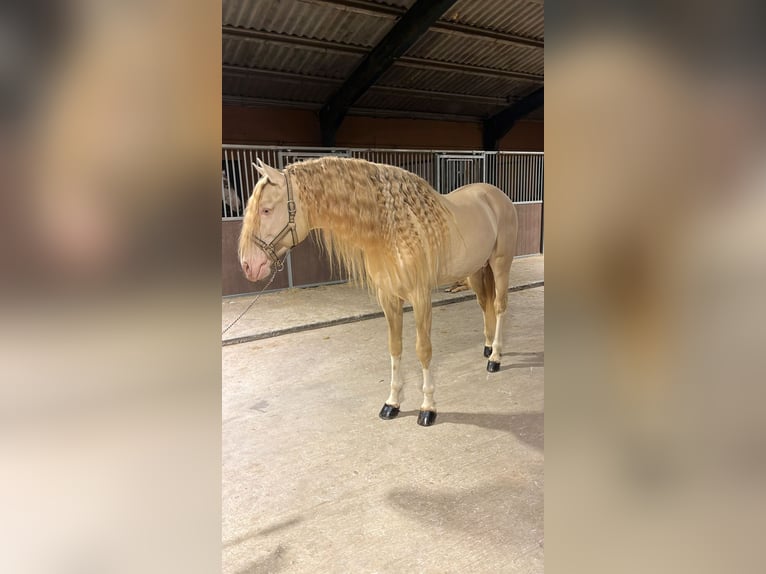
315	482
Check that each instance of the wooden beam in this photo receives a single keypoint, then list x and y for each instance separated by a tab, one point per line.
495	127
404	34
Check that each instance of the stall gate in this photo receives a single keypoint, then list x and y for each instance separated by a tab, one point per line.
518	174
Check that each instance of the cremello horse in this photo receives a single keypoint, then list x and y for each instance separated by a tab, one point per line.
393	232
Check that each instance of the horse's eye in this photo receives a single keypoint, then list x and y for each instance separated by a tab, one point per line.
266	211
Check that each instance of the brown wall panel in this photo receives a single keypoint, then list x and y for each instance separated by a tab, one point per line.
404	133
524	136
530	219
257	126
283	126
311	264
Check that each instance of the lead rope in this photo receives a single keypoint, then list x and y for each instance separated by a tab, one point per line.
277	268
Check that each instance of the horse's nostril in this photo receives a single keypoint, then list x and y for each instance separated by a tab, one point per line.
245	267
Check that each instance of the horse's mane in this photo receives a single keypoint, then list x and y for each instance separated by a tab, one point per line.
385	225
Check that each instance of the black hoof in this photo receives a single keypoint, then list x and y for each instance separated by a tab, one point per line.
493	366
388	412
487	351
426	418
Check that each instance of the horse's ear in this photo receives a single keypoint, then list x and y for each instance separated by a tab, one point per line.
270	173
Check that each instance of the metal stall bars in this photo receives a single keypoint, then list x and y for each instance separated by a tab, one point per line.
238	172
519	174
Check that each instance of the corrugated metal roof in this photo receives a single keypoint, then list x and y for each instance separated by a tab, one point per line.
479	52
456	83
256	54
339	37
522	17
307	20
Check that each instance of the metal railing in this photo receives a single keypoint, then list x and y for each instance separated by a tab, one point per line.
518	174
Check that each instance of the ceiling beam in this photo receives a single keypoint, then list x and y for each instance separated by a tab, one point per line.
288	40
420	63
408	61
249	101
495	127
372	8
416	92
411	26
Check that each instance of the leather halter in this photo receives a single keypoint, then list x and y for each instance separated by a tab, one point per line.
268	248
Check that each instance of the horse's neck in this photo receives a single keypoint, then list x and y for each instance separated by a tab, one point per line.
322	214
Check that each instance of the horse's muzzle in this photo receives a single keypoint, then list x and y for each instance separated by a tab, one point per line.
257	270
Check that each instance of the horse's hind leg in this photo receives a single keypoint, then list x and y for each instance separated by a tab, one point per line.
392	309
483	284
421	308
501	267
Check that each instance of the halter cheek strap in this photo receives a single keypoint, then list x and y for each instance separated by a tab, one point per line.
269	248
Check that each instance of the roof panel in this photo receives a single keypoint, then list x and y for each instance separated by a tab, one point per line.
522	17
479	52
320	20
307	20
257	54
459	83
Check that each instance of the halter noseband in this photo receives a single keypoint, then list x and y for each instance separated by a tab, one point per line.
268	248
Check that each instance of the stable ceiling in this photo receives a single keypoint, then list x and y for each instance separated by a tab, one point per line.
471	61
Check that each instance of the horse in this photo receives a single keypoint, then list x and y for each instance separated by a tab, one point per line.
395	234
231	202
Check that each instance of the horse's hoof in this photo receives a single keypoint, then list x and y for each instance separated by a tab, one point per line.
388	412
487	351
426	418
493	366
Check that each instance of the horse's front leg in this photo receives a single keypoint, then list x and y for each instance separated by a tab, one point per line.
422	311
392	309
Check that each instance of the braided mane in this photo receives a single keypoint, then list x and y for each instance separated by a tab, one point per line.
385	225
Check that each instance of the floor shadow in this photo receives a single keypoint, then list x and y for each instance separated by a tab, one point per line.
536	359
264	531
273	562
501	513
527	427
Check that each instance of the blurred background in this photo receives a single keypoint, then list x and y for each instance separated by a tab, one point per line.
109	290
655	313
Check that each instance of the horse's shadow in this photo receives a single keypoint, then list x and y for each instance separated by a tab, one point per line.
527	427
535	359
494	512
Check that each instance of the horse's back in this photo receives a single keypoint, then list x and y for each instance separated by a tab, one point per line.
483	195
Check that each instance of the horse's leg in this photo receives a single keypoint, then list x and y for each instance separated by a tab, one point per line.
483	284
421	308
392	309
501	267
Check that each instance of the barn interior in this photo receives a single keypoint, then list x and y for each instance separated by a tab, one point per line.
313	480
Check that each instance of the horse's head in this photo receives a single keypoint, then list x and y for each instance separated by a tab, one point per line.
267	230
